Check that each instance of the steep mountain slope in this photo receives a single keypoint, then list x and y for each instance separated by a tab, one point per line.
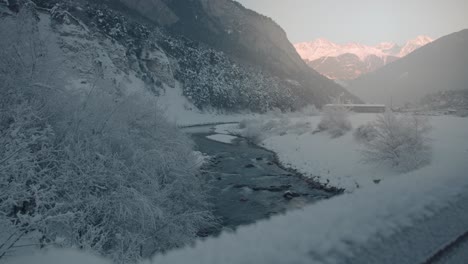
439	66
349	61
248	38
223	55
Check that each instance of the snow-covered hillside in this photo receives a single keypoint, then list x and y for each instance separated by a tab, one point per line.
98	41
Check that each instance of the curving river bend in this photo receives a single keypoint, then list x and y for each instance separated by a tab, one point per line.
247	183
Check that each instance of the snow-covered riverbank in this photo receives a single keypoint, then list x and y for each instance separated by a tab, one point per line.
403	218
395	222
386	216
338	161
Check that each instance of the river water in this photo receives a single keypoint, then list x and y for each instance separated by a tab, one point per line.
247	183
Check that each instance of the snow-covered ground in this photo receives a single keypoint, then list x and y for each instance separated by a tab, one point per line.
385	217
403	219
227	139
372	225
338	161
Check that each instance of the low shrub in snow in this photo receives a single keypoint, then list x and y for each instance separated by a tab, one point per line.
335	120
365	133
309	110
397	140
272	124
257	129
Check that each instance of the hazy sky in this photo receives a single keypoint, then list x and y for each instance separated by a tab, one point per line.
364	21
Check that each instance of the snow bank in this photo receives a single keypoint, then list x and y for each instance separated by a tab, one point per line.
227	139
335	161
332	231
347	229
338	161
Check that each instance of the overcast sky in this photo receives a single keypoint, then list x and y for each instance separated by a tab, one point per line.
364	21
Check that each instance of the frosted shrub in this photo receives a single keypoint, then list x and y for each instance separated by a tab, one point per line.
94	170
398	141
253	131
365	133
309	110
259	129
139	173
335	120
113	178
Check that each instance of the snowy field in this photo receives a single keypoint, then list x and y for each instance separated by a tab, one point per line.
338	161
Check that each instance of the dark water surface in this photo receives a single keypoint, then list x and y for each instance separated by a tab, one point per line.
247	183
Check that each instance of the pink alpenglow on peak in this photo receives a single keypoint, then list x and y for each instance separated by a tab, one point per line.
351	60
414	44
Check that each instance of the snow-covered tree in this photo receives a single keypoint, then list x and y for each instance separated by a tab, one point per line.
335	119
400	141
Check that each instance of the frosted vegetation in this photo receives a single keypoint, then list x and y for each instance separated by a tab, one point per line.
398	141
88	170
103	171
335	120
272	123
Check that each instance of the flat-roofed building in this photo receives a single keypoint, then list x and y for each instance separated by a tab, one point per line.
361	108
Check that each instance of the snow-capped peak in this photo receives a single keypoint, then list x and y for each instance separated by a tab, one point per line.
386	45
369	58
323	47
318	48
414	44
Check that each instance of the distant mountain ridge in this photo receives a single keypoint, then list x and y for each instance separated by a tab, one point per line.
439	66
351	60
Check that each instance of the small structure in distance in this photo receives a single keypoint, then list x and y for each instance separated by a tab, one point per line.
361	108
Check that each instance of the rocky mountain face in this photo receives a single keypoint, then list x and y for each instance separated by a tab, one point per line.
349	61
223	55
249	39
439	66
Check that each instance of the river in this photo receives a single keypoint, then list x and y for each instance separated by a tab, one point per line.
247	183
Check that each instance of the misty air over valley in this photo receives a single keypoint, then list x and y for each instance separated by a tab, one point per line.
233	131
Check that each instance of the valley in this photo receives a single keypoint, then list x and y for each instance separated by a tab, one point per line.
194	131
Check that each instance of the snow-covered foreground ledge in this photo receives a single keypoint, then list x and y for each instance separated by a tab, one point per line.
375	225
429	207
